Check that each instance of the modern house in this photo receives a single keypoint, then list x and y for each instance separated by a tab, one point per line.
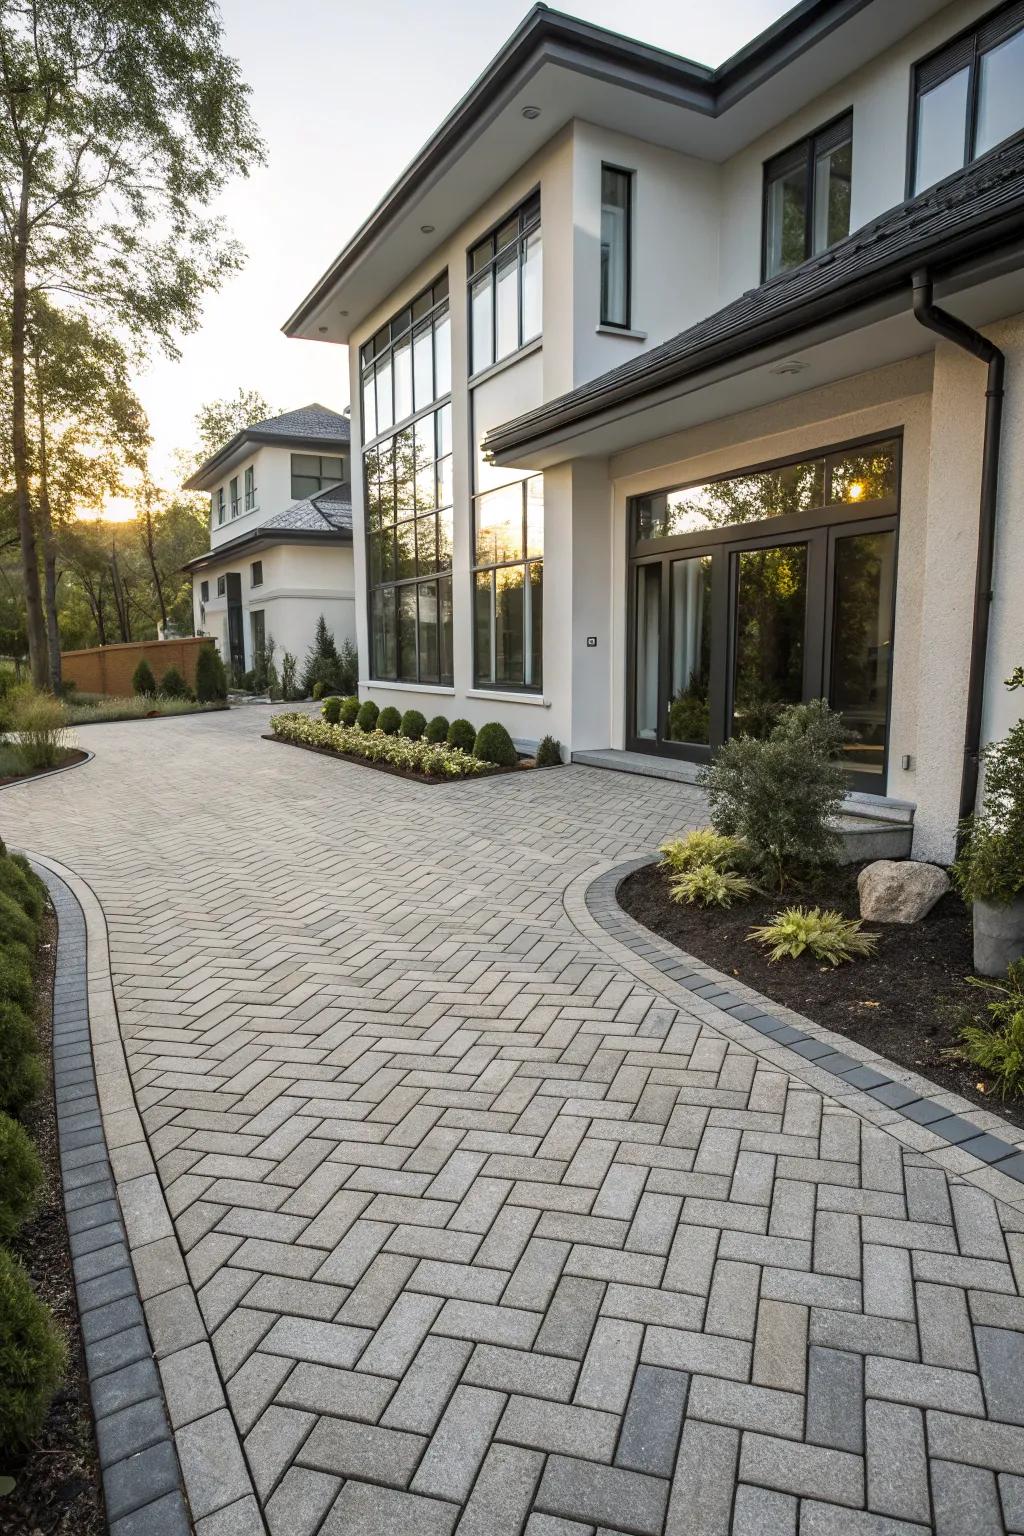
678	395
280	537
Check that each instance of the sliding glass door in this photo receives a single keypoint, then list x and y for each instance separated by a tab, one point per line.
764	590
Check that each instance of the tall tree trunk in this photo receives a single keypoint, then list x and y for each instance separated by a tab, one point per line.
157	583
35	626
49	548
120	601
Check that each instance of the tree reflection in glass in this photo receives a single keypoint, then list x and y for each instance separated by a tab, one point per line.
771	600
689	715
865	574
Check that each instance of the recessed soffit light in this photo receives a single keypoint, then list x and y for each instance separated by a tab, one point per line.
426	229
530	113
794	365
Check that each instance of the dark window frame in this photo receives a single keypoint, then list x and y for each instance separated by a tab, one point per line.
234	497
816	526
254	579
250	487
323	479
963	50
527	213
524	563
222	586
810	146
204	591
630	175
428	307
221	505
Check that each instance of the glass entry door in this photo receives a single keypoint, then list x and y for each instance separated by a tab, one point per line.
730	625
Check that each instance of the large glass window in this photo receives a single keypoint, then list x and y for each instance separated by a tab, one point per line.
807	197
968	96
407	476
313	473
616	219
762	589
508	582
236	505
250	488
505	287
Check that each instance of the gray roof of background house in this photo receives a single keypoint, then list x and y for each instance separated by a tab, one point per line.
314	427
964	217
321	519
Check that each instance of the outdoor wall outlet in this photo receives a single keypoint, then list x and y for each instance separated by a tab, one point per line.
907	762
591	641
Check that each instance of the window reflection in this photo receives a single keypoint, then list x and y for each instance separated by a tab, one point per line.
771	600
807	197
505	287
689	712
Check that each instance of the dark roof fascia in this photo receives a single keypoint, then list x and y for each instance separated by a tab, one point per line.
583	45
944	253
247	542
223	456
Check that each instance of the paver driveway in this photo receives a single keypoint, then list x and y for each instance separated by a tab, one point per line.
488	1235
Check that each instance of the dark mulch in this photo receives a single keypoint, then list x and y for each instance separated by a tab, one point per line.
905	1001
57	1487
398	773
72	756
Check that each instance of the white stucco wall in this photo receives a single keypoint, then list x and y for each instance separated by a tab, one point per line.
273	485
299	583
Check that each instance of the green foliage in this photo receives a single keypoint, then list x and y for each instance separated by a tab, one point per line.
689	716
549	753
462	734
705	847
289	670
218	421
827	935
999	1047
317	691
211	678
32	1357
16	926
991	862
348	667
41	723
20	883
389	720
703	885
349	710
778	795
335	671
413	724
433	759
368	715
15	971
174	686
331	709
143	680
437	729
494	745
21	1177
139	707
21	1075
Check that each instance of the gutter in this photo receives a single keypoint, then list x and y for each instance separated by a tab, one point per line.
979	346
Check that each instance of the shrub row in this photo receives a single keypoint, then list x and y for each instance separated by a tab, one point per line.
491	743
32	1352
434	758
211	680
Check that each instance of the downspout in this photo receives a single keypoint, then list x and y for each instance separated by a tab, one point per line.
963	335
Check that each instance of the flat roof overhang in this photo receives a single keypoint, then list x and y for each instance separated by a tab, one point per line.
571	69
263	538
241	446
858	340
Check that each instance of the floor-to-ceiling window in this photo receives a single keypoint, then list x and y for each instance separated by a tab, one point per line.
407	474
762	589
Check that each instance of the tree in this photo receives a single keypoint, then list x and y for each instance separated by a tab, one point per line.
218	421
171	530
120	121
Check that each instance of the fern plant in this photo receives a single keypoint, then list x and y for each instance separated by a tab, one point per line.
704	847
827	935
706	886
998	1048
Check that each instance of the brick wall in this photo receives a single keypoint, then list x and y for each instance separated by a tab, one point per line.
109	668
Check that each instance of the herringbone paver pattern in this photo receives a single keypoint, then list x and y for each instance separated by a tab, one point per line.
488	1237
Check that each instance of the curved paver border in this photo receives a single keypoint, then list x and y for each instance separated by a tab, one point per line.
163	1427
972	1144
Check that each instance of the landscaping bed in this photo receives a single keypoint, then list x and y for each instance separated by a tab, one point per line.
107	711
12	772
57	1483
362	761
906	1001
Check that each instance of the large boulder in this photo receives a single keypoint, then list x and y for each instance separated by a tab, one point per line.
899	891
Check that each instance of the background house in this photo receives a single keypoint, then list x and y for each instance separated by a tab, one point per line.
280	537
655	435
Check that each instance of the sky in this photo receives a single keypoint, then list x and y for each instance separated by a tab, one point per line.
345	93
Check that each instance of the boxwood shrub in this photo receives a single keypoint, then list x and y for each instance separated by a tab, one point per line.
462	735
413	724
143	680
21	1075
21	1177
389	720
437	729
549	753
331	709
367	715
349	711
494	745
32	1357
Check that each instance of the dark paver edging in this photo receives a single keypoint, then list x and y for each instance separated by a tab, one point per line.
146	1346
974	1144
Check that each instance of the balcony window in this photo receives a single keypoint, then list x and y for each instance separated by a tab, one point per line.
807	197
220	505
505	287
968	97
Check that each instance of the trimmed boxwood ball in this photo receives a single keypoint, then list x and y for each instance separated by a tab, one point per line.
331	710
349	711
462	735
389	721
32	1357
21	1074
437	729
366	719
413	724
21	1177
494	745
549	753
143	681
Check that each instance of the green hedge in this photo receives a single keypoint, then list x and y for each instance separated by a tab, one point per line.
462	735
32	1357
389	720
21	1177
413	724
